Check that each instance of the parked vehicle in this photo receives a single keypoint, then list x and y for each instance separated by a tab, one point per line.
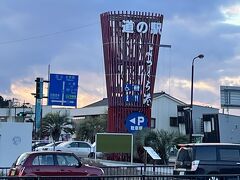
80	148
38	144
52	163
208	158
48	147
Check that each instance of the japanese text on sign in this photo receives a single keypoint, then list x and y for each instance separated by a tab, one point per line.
141	27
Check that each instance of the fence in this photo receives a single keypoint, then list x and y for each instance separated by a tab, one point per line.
131	177
124	170
138	170
157	172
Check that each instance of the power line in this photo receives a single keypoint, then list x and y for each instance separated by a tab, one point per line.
46	35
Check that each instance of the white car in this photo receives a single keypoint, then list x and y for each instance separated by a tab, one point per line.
48	147
80	148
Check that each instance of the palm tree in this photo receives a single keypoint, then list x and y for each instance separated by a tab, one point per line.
87	129
161	141
54	123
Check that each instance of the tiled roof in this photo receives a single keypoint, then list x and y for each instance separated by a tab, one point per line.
104	101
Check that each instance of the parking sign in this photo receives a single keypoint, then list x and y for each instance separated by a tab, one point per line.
136	121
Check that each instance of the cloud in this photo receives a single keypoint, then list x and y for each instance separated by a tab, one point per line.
205	86
180	88
77	57
231	14
230	80
22	89
91	89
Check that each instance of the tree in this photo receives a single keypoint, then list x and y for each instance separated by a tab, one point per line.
161	141
88	127
4	103
54	123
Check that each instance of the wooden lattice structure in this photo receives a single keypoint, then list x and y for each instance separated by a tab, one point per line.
131	42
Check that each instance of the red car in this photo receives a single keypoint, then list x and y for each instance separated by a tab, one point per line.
52	164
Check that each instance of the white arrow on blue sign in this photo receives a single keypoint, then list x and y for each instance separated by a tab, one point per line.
136	121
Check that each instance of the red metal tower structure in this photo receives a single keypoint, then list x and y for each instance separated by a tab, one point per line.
131	42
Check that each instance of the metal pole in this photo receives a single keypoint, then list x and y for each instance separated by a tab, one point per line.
23	110
15	113
190	122
191	116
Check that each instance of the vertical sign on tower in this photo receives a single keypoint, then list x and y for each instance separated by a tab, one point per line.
131	42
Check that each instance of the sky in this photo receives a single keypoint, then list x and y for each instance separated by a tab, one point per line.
66	35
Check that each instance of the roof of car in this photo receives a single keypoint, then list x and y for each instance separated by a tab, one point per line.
207	144
49	152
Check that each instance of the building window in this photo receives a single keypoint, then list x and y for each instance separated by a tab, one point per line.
173	122
153	123
181	113
182	128
207	126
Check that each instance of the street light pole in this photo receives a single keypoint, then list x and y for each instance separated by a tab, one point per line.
200	56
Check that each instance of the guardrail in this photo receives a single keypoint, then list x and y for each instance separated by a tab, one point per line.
130	177
124	170
138	170
158	172
4	171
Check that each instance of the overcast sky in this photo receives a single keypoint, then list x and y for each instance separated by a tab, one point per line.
66	35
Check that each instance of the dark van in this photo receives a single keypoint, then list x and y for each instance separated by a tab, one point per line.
207	158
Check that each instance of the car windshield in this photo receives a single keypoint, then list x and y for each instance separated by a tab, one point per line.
52	144
21	159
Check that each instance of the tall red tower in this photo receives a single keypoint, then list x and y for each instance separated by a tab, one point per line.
131	42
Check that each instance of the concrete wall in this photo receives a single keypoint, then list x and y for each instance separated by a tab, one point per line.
229	128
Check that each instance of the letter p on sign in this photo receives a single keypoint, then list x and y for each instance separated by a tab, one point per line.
140	120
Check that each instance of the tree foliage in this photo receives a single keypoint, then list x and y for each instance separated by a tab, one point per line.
161	141
3	103
87	128
54	123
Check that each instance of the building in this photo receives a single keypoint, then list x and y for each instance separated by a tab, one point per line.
164	111
221	128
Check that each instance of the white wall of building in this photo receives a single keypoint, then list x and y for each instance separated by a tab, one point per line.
87	111
163	108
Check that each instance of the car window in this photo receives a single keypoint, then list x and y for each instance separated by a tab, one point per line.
184	154
84	145
73	144
205	153
46	159
229	154
67	160
22	159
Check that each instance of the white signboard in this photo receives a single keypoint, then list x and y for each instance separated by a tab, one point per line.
152	153
15	139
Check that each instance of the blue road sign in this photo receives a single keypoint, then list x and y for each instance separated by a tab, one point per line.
136	121
63	90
